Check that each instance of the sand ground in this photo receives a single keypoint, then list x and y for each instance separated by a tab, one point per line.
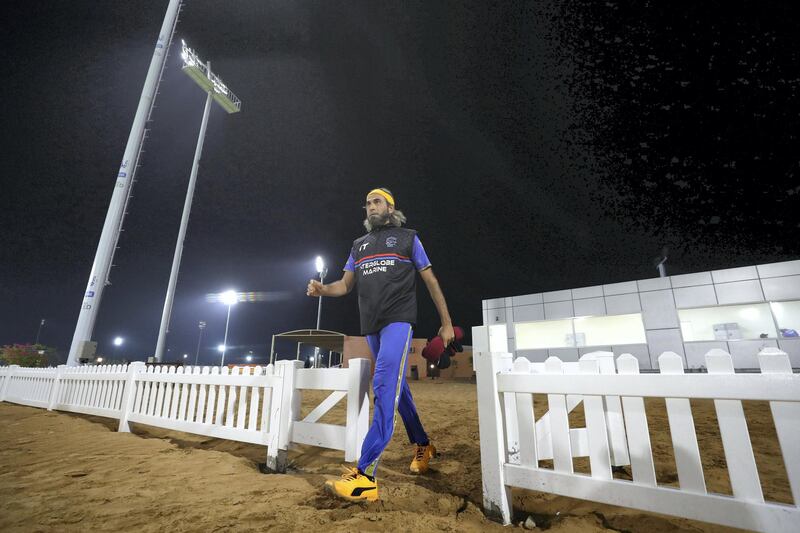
66	472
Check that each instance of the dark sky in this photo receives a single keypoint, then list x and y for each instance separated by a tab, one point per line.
534	145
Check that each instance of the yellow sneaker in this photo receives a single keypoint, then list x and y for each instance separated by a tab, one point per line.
353	486
422	456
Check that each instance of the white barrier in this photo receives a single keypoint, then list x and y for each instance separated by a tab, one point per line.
258	406
502	383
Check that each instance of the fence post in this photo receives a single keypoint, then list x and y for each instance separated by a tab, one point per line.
496	495
56	388
289	406
7	384
128	395
357	407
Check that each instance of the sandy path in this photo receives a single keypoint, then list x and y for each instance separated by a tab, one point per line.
64	472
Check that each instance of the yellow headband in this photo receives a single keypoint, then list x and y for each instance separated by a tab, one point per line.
389	198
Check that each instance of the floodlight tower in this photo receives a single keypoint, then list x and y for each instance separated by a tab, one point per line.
201	74
101	267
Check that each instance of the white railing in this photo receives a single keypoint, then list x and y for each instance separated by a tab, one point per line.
503	383
257	405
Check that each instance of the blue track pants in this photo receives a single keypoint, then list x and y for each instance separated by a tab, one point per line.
390	348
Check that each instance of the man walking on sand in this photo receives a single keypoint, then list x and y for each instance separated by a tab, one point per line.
383	266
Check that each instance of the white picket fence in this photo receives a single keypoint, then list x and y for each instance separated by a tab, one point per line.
616	432
259	405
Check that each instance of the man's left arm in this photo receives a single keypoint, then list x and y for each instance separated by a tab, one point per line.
446	331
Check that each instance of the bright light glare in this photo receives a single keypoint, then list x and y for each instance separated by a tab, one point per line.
229	297
249	358
320	264
432	366
185	355
221	348
99	359
749	313
311	358
118	341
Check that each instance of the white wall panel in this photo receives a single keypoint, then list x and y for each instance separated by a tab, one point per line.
587	292
696	352
658	310
528	313
653	284
739	292
734	274
786	288
590	306
744	353
699	296
774	270
496	316
626	287
565	354
639	351
791	347
495	303
664	340
622	304
527	299
690	280
558	310
557	296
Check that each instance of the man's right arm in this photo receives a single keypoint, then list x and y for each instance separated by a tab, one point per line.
337	288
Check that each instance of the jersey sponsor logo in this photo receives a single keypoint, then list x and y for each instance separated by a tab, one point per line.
363	247
391	242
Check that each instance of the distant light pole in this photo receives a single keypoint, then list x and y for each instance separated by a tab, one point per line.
322	270
229	298
39	331
201	326
217	91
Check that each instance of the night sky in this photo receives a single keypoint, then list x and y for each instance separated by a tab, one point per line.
534	145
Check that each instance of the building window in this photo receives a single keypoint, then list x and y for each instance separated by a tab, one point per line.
609	330
787	316
730	322
612	330
544	334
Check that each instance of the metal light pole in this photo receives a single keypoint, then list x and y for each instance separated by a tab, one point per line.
201	326
101	267
38	331
229	298
323	270
201	74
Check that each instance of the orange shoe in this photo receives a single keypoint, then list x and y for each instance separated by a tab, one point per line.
422	456
353	486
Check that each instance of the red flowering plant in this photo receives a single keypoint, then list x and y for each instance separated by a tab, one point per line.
27	355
